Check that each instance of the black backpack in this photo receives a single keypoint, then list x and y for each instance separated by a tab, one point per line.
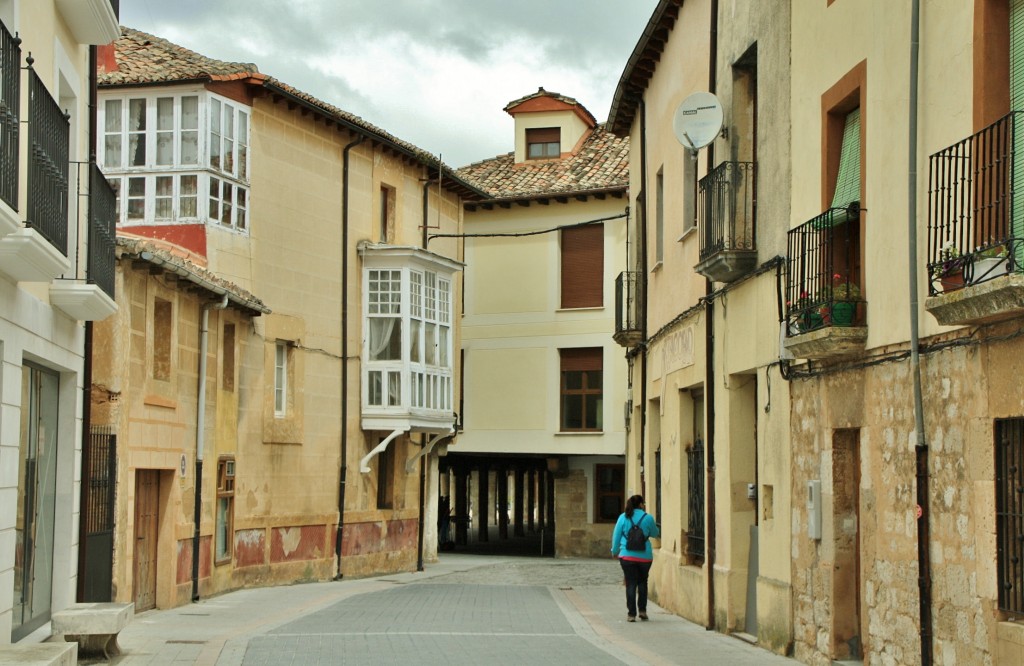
635	537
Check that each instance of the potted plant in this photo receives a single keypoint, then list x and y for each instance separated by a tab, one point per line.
804	316
949	270
844	295
987	264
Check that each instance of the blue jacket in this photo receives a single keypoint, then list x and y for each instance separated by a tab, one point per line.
644	521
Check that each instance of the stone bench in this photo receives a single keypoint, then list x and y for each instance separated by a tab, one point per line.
94	626
39	654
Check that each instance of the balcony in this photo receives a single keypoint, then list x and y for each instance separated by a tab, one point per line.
10	105
726	207
628	292
93	299
976	226
38	251
825	311
91	21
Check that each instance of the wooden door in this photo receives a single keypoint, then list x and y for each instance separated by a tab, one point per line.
147	502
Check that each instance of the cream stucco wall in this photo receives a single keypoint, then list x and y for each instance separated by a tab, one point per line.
572	129
33	331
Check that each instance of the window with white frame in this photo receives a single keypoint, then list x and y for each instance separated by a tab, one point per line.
281	354
161	151
408	340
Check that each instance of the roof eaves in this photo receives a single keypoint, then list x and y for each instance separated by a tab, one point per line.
634	79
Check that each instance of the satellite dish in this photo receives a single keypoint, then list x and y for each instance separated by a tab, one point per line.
698	120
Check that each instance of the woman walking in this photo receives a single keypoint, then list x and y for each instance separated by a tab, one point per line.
634	553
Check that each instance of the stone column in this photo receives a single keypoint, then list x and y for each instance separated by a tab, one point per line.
502	482
517	524
531	498
484	503
461	506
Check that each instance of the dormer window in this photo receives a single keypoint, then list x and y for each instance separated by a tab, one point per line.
543	143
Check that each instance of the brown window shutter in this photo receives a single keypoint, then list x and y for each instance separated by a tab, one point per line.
581	358
583	266
543	135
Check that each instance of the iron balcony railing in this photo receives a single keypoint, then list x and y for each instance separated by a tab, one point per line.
975	209
10	105
102	231
695	488
821	282
627	302
726	209
48	132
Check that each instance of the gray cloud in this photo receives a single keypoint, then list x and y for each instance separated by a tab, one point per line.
586	43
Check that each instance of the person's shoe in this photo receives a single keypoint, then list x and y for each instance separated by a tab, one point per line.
643	616
631	618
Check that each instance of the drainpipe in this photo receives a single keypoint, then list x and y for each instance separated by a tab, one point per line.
709	354
204	334
344	349
642	228
423	437
83	489
921	448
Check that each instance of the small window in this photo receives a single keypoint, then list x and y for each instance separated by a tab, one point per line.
659	217
282	353
386	477
228	359
609	492
225	509
581	389
162	329
543	143
387	214
1009	463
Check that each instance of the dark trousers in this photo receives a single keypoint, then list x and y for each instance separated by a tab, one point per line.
636	585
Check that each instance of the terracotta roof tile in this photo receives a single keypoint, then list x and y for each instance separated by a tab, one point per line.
144	58
602	164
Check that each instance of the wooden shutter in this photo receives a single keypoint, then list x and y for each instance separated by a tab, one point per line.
1017	104
583	266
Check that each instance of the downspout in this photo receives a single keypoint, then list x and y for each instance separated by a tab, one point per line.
204	334
924	579
83	492
343	473
709	354
642	228
423	437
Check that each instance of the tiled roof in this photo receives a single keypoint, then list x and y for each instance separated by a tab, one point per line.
143	249
144	58
601	165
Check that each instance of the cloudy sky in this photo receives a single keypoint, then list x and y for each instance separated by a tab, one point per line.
436	73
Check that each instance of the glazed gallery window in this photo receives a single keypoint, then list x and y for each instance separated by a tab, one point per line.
408	339
225	508
581	389
177	157
543	143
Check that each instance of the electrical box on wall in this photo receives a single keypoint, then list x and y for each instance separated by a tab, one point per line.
814	509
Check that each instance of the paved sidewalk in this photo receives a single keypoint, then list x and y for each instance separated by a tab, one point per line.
462	610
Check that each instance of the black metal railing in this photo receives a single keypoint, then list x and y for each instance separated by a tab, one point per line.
1009	435
48	132
975	209
695	490
102	231
10	109
726	208
821	285
627	301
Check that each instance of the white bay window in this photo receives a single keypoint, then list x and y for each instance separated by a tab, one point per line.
161	151
407	340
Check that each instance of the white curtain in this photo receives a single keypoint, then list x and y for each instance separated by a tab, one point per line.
381	330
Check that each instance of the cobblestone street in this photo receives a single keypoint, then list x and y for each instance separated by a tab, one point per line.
465	609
